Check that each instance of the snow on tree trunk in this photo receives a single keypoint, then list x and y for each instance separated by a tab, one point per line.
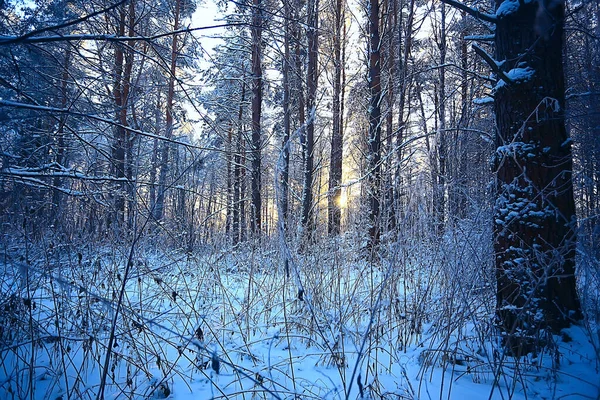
534	215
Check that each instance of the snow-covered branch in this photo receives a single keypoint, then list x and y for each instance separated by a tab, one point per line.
471	11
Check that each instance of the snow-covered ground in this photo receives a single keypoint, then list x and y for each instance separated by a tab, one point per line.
231	325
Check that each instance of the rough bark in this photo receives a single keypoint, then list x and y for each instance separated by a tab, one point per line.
534	216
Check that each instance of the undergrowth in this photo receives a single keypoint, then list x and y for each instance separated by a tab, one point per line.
231	324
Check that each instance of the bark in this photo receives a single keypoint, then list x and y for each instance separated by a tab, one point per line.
335	166
154	157
238	170
285	172
439	178
255	212
311	86
299	72
403	89
60	138
229	200
457	200
374	139
390	66
159	209
129	136
122	84
534	215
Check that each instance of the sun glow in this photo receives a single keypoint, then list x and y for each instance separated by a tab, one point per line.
343	199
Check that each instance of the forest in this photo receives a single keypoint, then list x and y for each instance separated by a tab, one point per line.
299	199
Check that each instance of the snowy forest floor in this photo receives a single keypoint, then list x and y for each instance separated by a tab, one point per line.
415	324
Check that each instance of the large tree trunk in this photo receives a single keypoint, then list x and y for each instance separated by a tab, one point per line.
374	139
534	216
256	208
335	166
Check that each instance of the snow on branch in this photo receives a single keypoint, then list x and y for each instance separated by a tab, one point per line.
481	38
12	39
28	39
471	11
9	103
492	63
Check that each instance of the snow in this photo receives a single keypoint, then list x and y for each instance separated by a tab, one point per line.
507	7
520	74
516	75
230	325
483	101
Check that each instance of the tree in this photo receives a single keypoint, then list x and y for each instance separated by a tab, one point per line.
374	134
440	151
123	66
534	211
257	83
285	171
535	222
312	34
164	161
334	211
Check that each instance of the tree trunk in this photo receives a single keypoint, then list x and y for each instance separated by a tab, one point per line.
129	136
534	214
60	139
285	171
457	199
335	166
118	146
403	88
439	178
374	139
154	158
255	212
311	86
229	199
390	58
159	209
238	172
